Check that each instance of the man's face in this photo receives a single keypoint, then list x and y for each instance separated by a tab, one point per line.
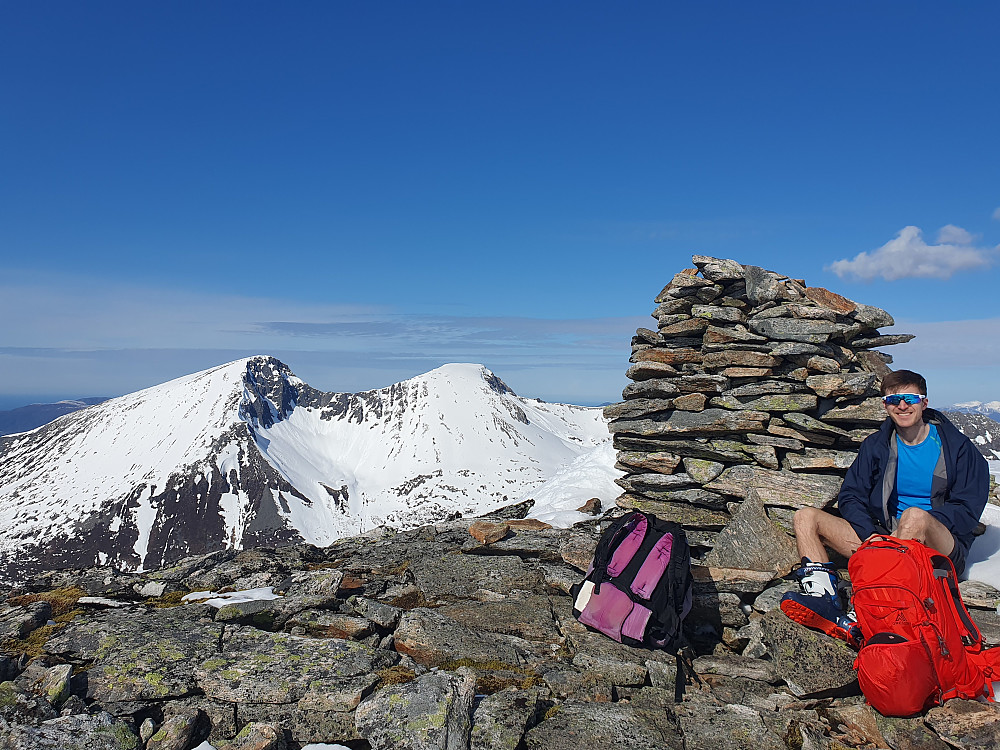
904	414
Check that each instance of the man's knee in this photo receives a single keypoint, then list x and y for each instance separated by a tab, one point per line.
914	522
806	520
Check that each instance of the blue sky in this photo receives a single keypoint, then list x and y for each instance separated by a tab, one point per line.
370	190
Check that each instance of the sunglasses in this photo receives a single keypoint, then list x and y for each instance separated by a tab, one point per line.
894	399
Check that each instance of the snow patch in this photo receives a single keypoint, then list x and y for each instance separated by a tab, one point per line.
213	599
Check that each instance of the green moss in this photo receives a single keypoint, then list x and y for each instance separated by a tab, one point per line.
396	675
8	694
550	713
212	664
61	600
170	599
231	674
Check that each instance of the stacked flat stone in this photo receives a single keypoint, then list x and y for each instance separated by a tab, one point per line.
752	381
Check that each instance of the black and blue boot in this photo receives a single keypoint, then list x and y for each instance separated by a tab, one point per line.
819	605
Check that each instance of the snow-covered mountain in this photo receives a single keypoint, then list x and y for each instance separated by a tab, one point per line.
990	408
247	454
983	431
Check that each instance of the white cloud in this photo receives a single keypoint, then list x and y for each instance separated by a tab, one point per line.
908	256
996	213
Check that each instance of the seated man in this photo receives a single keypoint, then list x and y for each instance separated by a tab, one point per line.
918	477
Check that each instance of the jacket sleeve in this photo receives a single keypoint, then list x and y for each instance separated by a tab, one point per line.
853	500
968	494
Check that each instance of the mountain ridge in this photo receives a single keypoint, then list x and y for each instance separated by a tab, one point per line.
247	454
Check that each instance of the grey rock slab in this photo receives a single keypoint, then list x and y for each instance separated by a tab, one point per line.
453	576
708	422
583	686
659	461
979	594
780	402
644	482
433	712
718	269
78	732
572	726
52	684
811	424
139	654
763	388
810	663
500	720
701	383
649	370
842	384
261	667
688	516
657	388
819	458
17	622
702	470
18	706
762	286
966	724
727	451
726	727
529	617
175	734
322	623
718	314
732	580
432	639
783	488
796	329
873	317
794	348
734	334
258	736
638	407
870	411
734	665
887	340
769	599
383	615
777	442
909	734
751	541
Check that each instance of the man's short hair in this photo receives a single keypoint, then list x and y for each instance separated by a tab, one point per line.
899	378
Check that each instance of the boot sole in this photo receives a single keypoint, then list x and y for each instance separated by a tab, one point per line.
805	616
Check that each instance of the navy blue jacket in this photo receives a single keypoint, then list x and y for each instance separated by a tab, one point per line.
959	487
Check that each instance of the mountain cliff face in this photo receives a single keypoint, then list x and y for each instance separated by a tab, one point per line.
247	454
983	431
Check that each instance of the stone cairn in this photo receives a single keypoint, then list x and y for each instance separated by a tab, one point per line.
754	393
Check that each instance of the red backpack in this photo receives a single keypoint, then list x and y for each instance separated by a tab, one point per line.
921	646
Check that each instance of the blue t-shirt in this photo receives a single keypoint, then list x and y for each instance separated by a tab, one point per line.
915	471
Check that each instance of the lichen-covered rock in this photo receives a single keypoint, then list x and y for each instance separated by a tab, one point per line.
727	727
139	654
18	621
967	724
810	663
432	712
18	706
500	720
432	639
175	734
255	666
99	732
258	736
751	541
572	726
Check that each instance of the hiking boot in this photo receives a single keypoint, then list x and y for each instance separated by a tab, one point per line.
821	612
819	605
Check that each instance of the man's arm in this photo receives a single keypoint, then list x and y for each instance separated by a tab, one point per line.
967	498
853	500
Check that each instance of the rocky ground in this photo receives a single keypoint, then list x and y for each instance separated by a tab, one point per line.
431	638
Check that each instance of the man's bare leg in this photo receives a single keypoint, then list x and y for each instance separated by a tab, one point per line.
815	530
923	527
